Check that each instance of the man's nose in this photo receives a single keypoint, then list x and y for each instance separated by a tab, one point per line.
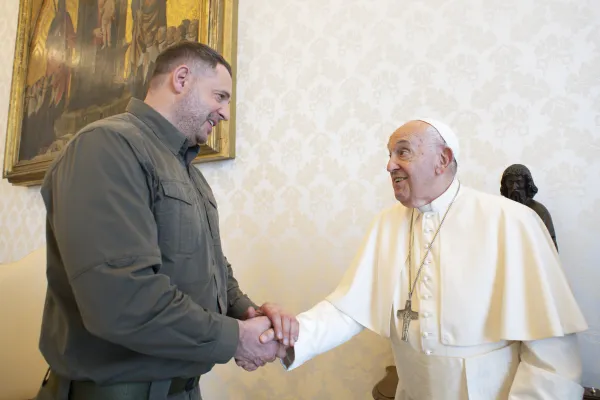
515	186
392	166
224	113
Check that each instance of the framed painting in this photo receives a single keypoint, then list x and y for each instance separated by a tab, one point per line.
77	61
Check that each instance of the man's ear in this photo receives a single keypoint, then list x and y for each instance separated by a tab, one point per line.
180	77
446	157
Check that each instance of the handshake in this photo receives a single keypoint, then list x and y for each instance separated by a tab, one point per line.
265	334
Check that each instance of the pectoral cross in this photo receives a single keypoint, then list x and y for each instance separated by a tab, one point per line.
407	315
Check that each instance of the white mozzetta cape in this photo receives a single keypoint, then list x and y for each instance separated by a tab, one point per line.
501	277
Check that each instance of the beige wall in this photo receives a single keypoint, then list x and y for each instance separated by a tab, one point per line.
22	291
322	83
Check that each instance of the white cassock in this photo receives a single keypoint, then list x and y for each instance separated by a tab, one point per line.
497	318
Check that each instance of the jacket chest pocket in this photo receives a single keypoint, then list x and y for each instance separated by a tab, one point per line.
176	218
212	214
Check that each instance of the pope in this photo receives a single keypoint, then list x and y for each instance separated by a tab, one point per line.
468	287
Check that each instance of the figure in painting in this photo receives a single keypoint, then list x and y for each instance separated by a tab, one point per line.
517	184
161	38
170	36
148	17
193	30
47	98
93	67
101	46
107	10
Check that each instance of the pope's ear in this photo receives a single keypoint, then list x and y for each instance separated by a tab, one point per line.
446	157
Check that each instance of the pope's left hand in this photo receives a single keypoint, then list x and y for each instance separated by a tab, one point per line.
285	325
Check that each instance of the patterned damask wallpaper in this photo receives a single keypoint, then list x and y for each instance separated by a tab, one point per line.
321	85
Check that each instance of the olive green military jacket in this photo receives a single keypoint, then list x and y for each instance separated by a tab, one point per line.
138	286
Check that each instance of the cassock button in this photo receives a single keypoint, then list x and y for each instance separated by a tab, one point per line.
426	315
428	352
426	246
425	279
425	334
426	296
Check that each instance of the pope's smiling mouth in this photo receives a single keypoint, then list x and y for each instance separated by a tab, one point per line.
400	179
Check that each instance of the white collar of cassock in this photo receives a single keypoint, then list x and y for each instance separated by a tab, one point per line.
443	201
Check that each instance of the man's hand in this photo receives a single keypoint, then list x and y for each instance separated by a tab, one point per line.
250	313
249	366
251	353
285	325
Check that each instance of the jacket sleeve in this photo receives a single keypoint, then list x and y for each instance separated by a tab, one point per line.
237	301
107	237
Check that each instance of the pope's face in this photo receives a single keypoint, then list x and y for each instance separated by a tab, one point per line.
412	165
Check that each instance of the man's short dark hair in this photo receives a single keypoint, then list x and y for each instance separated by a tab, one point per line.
187	51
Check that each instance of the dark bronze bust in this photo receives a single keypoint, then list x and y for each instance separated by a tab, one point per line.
517	184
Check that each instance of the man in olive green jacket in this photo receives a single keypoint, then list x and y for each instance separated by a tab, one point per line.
141	300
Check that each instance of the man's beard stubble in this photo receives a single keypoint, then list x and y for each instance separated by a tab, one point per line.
191	116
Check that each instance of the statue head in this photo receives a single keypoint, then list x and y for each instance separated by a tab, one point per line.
517	184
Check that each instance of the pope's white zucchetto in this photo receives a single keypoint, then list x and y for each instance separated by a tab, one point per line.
446	133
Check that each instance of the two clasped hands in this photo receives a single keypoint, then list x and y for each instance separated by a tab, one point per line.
265	335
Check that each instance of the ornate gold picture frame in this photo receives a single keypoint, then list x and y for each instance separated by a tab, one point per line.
77	61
